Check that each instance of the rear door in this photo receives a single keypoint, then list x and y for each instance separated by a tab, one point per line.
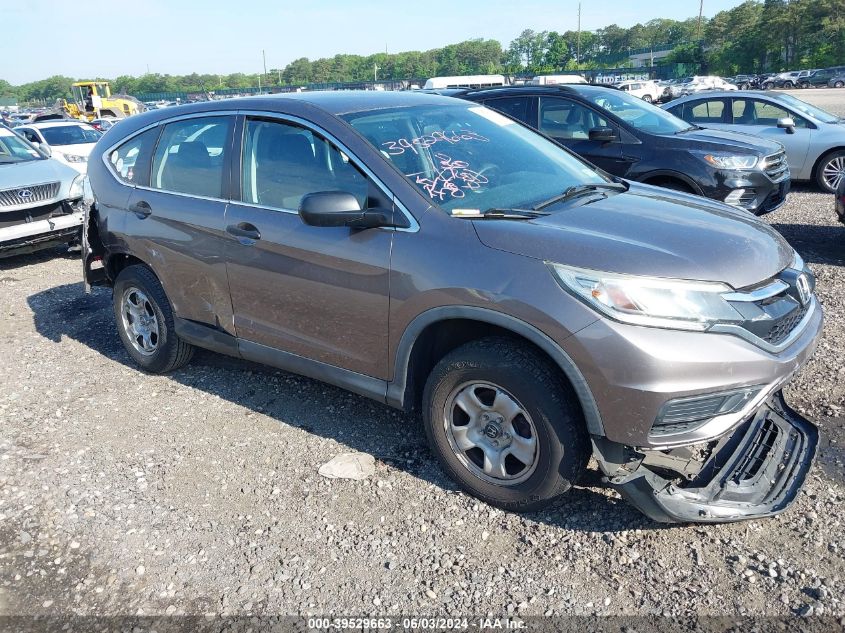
175	221
320	293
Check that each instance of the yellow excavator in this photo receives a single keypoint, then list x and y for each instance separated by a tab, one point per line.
93	100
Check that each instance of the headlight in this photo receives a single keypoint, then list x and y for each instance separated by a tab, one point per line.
73	158
728	161
655	302
77	187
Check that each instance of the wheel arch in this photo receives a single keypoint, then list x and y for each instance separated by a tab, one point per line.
436	332
661	175
821	157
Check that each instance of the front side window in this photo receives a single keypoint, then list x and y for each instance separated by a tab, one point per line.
756	112
70	135
636	112
466	156
565	119
30	136
283	162
131	161
191	156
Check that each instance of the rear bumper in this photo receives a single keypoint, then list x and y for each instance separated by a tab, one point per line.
755	471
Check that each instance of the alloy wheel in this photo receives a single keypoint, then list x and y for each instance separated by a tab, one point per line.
139	321
833	172
491	433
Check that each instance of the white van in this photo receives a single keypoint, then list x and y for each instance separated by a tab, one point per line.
465	81
553	80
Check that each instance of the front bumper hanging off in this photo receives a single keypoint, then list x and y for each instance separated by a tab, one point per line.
754	471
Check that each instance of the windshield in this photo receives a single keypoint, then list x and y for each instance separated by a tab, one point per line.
70	135
471	157
638	113
805	108
13	149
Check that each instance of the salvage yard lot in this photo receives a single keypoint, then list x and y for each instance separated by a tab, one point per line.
124	493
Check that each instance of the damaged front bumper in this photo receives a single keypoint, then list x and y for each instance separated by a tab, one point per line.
754	471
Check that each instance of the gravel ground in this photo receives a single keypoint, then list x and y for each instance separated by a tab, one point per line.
198	492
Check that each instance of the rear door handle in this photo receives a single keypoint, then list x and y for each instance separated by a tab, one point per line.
244	230
141	208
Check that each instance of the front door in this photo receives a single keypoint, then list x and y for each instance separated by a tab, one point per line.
320	293
760	117
569	123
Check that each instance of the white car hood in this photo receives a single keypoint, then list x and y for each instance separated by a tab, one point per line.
37	172
80	149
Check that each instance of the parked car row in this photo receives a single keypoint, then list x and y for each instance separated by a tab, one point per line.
833	77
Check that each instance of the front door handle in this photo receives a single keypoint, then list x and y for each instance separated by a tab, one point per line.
244	230
141	208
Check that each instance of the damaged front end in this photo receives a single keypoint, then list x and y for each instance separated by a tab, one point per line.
754	471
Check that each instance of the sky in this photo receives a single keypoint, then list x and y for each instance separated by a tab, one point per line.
225	36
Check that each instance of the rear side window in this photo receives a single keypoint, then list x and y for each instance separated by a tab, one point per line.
710	111
191	156
516	107
283	162
131	161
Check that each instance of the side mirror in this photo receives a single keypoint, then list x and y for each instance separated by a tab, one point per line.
340	208
44	149
788	124
602	134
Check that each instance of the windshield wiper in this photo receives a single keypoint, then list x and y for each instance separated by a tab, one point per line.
498	214
577	190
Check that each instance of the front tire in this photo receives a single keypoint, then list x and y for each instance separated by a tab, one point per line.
647	98
831	171
504	424
145	322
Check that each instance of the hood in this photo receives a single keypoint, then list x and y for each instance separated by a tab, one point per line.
36	172
706	138
651	232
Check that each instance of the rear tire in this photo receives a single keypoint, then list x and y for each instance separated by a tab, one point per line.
647	98
839	84
145	322
788	85
505	425
830	171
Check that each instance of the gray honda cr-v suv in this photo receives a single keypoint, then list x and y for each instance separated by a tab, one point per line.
437	256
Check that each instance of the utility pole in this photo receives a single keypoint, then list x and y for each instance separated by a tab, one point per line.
578	49
700	13
264	57
375	71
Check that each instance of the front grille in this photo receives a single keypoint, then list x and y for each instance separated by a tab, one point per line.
757	453
36	193
776	166
783	327
32	214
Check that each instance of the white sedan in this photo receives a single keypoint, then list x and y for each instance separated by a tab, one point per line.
69	142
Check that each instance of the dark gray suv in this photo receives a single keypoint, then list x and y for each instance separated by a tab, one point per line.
437	256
